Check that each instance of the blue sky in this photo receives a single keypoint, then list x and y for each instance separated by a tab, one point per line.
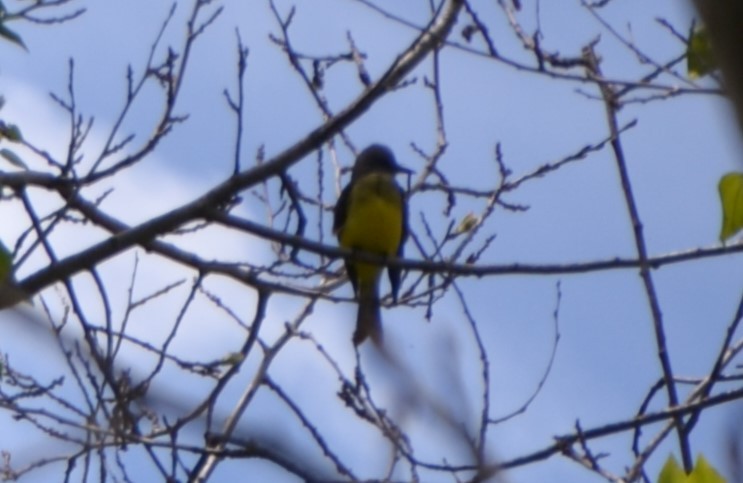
606	357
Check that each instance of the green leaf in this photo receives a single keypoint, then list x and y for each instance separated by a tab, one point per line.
13	158
704	472
700	60
232	358
672	472
10	132
6	263
10	293
11	36
731	199
468	223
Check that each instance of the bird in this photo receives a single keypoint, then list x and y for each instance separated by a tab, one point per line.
371	216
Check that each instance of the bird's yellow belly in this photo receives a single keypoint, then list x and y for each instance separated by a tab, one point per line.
375	225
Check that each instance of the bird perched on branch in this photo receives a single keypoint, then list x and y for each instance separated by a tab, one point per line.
371	216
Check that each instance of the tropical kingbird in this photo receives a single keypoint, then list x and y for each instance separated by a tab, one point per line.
371	216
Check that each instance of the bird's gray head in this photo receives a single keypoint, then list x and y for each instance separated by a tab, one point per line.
376	158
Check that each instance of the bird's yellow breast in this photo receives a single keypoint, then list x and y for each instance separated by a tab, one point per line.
374	218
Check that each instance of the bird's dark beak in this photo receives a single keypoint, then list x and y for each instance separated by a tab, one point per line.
403	169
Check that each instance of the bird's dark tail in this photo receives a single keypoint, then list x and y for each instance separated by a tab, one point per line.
368	320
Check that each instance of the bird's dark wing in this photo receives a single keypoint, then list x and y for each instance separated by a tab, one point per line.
395	272
340	212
